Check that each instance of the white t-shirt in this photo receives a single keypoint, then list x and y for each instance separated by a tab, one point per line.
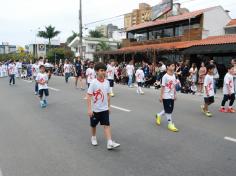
35	69
169	82
209	84
18	65
99	91
90	73
111	70
12	69
42	77
66	68
228	82
139	75
130	69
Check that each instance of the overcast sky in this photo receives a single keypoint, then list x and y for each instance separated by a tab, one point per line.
19	19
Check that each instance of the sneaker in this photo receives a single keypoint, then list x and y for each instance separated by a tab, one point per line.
142	93
94	141
222	110
171	127
112	94
112	145
42	104
208	114
35	93
231	110
158	120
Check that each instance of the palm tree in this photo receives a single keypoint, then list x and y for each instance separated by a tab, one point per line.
49	33
95	34
103	46
72	37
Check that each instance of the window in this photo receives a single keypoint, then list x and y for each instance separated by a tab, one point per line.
169	32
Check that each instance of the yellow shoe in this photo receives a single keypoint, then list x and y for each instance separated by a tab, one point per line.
208	114
112	94
158	120
171	127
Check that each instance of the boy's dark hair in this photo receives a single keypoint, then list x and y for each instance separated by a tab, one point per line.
41	66
210	67
169	63
229	66
100	66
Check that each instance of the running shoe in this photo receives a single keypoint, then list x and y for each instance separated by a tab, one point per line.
158	119
171	127
208	114
112	145
222	110
231	110
112	94
94	141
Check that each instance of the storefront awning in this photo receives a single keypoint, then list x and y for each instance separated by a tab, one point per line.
211	49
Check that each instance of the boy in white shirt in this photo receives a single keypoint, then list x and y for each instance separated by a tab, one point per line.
228	91
67	71
90	73
99	106
12	72
130	72
168	96
209	92
111	71
139	79
42	80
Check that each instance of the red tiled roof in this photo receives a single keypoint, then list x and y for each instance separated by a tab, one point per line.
215	40
232	23
171	19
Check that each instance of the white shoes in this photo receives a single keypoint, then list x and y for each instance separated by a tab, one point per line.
94	141
112	145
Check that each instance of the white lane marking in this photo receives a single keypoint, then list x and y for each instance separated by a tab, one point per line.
230	139
119	108
1	172
51	88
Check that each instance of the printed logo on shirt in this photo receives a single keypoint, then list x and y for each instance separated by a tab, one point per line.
209	87
170	84
98	95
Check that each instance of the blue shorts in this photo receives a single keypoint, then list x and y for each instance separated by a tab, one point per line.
102	117
168	105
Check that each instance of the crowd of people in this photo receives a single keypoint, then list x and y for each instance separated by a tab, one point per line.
100	78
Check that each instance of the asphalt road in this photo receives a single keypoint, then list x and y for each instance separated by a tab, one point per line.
56	141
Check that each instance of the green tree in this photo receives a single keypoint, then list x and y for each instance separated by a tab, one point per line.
49	33
95	34
103	46
72	37
59	53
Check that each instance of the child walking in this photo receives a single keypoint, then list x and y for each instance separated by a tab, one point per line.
208	90
42	80
139	79
111	71
168	96
228	91
99	106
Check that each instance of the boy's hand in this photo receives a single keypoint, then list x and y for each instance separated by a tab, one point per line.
90	114
161	99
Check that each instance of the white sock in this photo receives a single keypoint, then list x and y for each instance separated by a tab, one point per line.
109	142
169	119
140	89
111	89
161	113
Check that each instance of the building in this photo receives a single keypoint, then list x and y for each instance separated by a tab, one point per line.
138	16
231	27
5	48
41	49
143	14
107	30
90	45
189	26
119	35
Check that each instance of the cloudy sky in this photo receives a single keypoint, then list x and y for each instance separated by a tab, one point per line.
19	19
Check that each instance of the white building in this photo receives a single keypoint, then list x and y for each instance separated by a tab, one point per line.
90	46
119	35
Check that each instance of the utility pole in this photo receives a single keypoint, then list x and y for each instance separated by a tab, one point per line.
80	32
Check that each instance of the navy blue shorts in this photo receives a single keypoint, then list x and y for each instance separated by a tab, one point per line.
140	84
43	91
168	105
111	82
102	117
209	100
